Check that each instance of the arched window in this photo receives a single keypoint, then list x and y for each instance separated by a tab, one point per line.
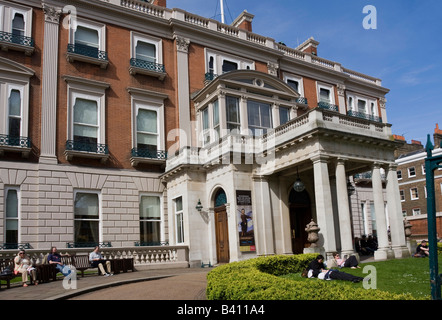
220	198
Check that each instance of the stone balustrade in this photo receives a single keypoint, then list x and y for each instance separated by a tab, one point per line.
155	257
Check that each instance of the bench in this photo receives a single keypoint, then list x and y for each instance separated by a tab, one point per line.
82	263
42	275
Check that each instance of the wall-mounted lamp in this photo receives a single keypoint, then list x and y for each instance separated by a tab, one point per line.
298	185
199	206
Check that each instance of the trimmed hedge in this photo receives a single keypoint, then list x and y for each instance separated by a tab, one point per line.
258	279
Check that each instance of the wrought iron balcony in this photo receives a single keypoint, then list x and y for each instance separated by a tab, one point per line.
22	142
210	76
83	149
87	147
142	155
328	106
302	100
139	66
14	246
16	42
363	115
17	39
106	244
80	52
151	244
15	144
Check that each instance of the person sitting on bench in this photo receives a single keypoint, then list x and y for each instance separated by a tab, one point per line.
97	260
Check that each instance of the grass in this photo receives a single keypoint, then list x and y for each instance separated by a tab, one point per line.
411	275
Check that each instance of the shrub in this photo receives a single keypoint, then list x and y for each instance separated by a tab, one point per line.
258	279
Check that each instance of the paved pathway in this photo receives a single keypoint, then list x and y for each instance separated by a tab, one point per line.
166	284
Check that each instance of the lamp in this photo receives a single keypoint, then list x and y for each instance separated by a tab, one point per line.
199	206
298	185
350	188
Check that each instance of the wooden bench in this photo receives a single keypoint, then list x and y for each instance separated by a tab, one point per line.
82	263
42	272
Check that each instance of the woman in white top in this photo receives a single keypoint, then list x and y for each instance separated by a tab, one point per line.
22	264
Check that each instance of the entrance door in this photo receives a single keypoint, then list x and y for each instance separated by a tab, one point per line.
222	235
300	216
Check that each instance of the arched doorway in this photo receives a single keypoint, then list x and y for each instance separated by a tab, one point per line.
300	216
221	227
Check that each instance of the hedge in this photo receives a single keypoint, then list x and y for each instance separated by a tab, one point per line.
258	279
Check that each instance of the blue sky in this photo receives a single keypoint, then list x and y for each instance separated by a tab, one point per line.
405	50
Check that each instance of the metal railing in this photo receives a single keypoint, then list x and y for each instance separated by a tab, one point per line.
328	106
363	115
13	141
98	148
147	65
147	153
16	39
88	244
87	51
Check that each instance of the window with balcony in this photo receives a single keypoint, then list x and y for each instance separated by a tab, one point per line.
86	217
16	28
14	108
326	99
363	107
218	63
86	119
148	127
87	43
147	56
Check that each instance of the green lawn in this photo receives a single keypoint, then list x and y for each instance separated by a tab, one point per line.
411	275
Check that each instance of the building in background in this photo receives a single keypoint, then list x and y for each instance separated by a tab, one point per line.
413	191
132	124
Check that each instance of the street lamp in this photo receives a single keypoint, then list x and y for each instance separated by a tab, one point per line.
298	185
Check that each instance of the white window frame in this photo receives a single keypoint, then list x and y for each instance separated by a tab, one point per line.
90	90
402	195
161	221
410	175
411	193
416	211
99	27
7	13
220	57
399	174
8	82
368	102
6	190
182	225
297	79
100	211
325	86
151	101
157	42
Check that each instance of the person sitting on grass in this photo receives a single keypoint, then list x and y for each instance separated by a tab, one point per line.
351	262
422	250
316	269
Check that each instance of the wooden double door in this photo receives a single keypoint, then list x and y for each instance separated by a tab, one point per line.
222	235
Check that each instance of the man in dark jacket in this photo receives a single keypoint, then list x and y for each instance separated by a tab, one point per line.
317	265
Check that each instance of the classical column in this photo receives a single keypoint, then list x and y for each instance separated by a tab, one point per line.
323	200
182	45
263	215
383	252
397	232
343	209
49	86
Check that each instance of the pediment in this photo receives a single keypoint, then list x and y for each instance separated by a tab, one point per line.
10	66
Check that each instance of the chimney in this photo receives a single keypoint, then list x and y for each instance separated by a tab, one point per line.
244	21
437	137
309	46
160	3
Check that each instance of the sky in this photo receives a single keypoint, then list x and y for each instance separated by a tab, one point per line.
404	51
